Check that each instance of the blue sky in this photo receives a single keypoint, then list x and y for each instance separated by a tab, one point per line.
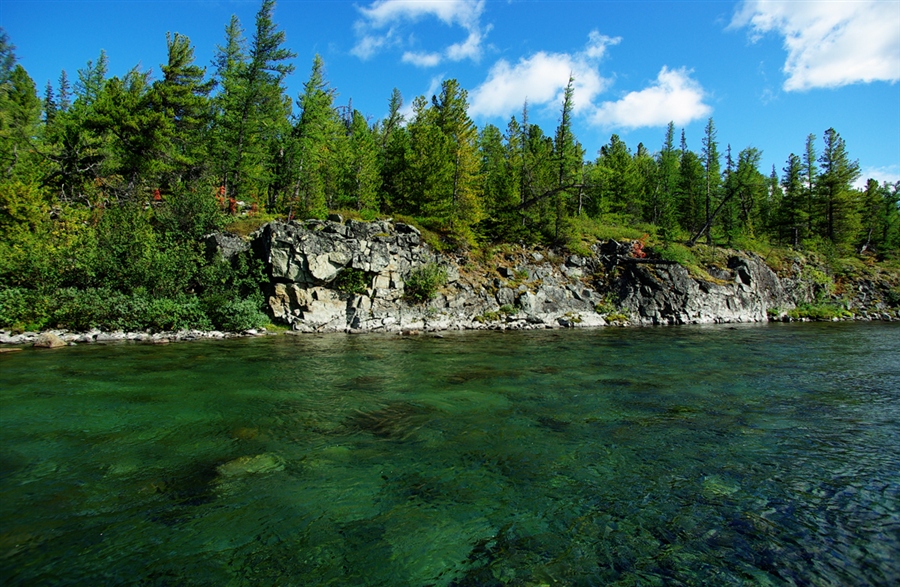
768	73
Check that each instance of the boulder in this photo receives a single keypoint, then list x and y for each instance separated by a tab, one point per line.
49	340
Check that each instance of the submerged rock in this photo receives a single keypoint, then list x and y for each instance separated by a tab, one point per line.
255	465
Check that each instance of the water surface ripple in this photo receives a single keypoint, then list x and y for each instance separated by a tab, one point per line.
748	455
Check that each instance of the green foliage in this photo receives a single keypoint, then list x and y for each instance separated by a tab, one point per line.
823	283
822	311
236	315
352	281
608	305
423	282
489	316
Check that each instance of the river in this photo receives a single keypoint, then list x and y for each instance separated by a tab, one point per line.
700	455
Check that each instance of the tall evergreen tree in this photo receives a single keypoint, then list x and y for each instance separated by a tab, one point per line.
320	143
452	118
20	114
251	107
712	173
181	98
569	160
839	201
793	214
91	80
48	105
361	175
691	186
811	178
661	207
64	93
621	184
394	143
429	169
7	57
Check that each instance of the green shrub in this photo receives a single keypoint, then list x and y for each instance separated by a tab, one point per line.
489	316
237	315
351	281
819	312
423	282
607	305
23	309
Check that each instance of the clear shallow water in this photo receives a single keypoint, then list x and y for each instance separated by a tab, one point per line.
756	455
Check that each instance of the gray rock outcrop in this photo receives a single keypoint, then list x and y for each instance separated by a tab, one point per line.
527	290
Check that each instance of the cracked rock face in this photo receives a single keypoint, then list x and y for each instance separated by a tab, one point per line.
309	261
669	295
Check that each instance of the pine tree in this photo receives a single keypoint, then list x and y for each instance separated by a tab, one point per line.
712	176
429	170
771	205
251	107
64	98
133	134
811	178
622	181
499	184
452	119
663	201
182	100
320	143
7	57
841	220
20	114
91	80
690	189
361	177
793	215
750	186
569	158
48	105
394	143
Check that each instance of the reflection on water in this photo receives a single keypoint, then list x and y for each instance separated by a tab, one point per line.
762	455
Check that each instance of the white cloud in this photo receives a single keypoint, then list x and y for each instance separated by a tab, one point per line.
422	59
378	26
889	173
541	79
829	44
674	97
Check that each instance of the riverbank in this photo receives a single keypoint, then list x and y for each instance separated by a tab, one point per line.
356	277
11	342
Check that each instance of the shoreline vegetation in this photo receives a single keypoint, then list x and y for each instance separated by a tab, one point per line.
113	186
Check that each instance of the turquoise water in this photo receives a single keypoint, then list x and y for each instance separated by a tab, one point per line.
755	455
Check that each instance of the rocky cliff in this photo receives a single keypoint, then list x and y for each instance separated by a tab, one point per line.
333	276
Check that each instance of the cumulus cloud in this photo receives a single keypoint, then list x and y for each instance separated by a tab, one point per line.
888	173
541	79
829	44
673	97
382	20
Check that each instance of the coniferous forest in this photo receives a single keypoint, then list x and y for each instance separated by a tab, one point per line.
109	183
